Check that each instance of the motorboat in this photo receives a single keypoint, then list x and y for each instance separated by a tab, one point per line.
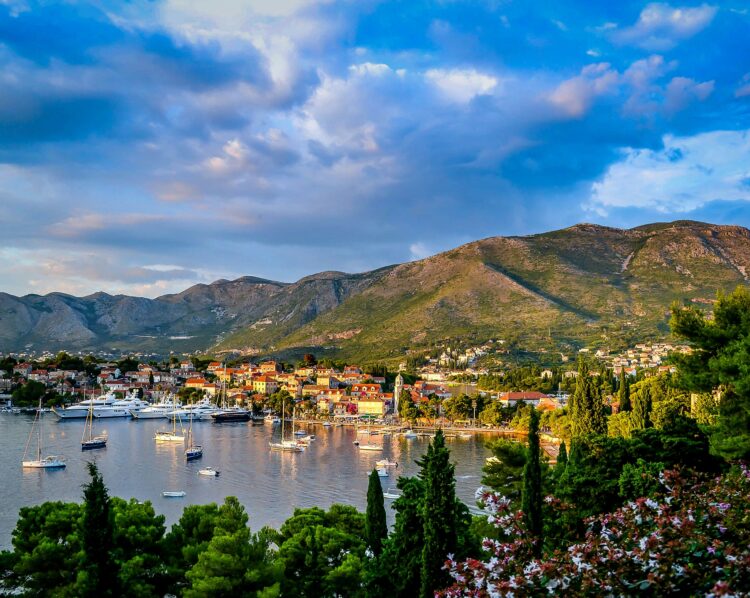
370	447
386	463
173	493
209	471
202	410
382	472
410	434
81	410
327	424
156	410
391	493
122	408
234	414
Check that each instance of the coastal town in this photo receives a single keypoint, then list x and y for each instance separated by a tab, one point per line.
322	390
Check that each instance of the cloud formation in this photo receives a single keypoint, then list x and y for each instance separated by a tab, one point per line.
282	138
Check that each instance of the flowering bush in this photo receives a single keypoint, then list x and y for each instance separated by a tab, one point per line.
693	539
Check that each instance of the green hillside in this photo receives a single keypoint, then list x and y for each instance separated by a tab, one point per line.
577	286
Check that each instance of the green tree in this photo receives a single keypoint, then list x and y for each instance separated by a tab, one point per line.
188	539
620	424
322	553
376	528
235	562
640	417
531	496
586	406
562	460
407	410
721	352
402	552
98	573
503	472
623	392
138	534
440	515
29	393
46	551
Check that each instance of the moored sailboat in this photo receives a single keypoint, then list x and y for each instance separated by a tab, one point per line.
92	442
286	445
193	451
173	436
48	462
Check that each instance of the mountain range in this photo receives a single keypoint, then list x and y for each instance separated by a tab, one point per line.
583	285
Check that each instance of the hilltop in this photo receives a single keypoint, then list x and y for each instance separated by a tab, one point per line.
566	288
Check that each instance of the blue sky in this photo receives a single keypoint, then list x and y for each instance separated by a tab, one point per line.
147	146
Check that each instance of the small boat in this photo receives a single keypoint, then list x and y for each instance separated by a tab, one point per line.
327	424
173	436
48	462
386	463
209	471
289	446
173	494
194	452
464	435
391	493
305	440
356	443
300	433
382	472
370	447
92	442
410	434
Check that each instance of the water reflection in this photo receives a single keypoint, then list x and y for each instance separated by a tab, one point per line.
269	483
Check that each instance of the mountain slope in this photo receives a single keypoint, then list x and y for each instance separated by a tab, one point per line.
583	284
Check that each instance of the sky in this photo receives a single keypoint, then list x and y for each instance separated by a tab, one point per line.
146	146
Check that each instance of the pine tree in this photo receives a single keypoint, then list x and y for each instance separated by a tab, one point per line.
440	516
531	497
98	575
624	392
376	528
640	417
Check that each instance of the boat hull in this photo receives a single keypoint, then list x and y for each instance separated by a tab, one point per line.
168	437
230	417
44	464
90	445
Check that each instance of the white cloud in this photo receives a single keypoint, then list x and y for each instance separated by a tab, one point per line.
574	96
686	174
661	27
461	85
419	251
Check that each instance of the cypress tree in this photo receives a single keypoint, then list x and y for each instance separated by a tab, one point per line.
376	528
98	575
624	392
586	406
562	459
440	518
531	497
641	409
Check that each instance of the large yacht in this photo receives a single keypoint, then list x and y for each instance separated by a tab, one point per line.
122	408
81	410
157	410
199	411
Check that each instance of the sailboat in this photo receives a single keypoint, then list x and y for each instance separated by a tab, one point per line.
369	446
92	442
193	451
48	462
173	436
286	445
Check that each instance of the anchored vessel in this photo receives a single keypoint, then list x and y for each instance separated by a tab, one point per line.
48	462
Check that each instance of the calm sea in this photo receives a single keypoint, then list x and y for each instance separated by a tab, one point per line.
269	484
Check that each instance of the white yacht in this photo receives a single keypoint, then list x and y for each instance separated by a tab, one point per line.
81	410
200	411
157	410
122	408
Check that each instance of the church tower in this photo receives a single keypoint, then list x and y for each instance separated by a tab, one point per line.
397	388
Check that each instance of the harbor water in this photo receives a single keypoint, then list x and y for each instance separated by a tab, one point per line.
268	483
